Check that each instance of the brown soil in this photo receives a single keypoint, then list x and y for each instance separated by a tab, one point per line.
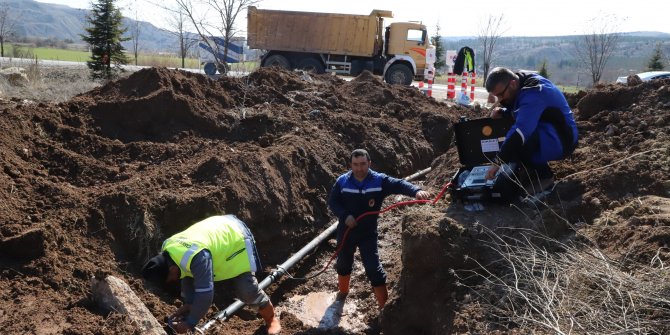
93	185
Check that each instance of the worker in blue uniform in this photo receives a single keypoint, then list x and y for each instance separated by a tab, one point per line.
544	128
358	191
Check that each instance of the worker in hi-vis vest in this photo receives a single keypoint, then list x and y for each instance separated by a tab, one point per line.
214	249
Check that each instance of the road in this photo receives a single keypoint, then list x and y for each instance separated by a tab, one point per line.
440	92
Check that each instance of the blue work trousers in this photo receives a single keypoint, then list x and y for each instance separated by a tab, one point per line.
366	242
542	146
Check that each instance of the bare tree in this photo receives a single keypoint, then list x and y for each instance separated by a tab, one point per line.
595	48
489	34
226	12
135	29
8	22
177	20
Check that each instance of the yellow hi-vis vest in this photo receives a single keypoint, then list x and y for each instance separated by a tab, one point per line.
223	236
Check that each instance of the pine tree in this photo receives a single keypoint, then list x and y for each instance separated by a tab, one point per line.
656	61
544	72
105	35
436	40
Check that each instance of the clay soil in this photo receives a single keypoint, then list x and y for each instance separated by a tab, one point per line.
93	185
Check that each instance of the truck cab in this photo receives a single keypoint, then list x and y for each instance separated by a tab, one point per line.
408	48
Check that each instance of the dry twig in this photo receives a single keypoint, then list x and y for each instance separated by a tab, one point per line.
576	289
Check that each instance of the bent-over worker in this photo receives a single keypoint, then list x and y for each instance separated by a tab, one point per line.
214	249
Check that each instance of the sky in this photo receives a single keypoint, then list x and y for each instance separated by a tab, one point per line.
520	18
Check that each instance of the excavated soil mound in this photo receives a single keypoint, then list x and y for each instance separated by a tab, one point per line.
95	184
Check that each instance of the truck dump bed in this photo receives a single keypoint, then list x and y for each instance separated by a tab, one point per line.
343	34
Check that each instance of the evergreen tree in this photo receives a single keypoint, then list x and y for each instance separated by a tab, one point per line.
105	35
543	70
656	61
436	40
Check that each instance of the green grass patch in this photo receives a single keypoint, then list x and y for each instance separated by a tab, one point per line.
46	53
61	54
163	61
83	56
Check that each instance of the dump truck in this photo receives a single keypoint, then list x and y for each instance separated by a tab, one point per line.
342	43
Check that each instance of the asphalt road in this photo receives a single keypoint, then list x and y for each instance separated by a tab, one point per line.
439	92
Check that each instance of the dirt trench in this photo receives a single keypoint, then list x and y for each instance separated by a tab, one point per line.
93	185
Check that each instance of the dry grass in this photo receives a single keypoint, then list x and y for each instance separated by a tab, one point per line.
59	83
544	285
49	83
163	61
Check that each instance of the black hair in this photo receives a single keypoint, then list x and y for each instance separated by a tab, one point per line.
359	153
499	75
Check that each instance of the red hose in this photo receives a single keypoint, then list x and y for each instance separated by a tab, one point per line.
398	204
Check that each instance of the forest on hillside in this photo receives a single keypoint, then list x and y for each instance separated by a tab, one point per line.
631	55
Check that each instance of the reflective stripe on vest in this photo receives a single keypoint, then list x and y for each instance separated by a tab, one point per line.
224	237
183	263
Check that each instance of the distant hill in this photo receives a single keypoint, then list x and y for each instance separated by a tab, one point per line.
631	55
43	20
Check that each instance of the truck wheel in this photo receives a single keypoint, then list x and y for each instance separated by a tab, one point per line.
399	74
223	68
311	64
277	60
210	69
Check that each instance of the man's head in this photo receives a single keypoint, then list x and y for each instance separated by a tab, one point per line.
360	163
160	269
503	84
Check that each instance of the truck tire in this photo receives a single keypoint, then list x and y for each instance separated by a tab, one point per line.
277	60
311	64
399	74
210	69
223	68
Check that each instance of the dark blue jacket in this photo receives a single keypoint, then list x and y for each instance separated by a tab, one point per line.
350	197
540	107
